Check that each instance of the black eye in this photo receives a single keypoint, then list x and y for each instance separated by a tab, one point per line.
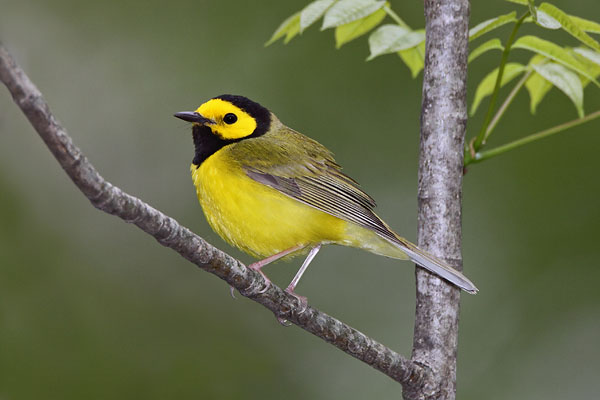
230	118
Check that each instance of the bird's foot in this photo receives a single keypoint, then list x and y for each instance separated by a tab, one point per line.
302	301
257	267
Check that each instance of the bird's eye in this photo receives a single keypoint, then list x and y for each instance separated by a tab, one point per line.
229	118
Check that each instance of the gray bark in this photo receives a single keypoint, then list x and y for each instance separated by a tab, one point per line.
443	127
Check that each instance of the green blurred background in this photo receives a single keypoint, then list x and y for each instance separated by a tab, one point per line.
93	308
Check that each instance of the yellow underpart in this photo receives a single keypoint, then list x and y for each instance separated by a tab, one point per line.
216	109
261	221
256	218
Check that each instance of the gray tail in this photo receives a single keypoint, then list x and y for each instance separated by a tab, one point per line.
382	240
437	266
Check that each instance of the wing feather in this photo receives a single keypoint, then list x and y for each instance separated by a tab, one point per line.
304	170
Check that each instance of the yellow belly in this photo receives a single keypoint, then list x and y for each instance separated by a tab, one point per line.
256	218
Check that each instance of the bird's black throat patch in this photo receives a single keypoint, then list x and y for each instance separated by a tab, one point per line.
206	143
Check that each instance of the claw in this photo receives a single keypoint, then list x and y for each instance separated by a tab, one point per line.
267	280
302	301
267	284
231	290
284	322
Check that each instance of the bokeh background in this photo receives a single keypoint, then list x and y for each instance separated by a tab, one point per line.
93	308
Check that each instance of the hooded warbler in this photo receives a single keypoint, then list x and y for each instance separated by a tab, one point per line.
274	192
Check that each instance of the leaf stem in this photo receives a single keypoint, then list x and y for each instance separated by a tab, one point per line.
395	17
482	136
509	99
484	155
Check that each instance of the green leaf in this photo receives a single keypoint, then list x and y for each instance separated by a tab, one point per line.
589	54
521	2
414	58
393	38
585	24
537	59
312	12
486	86
492	44
569	26
546	21
590	59
564	79
491	24
532	10
536	85
554	52
383	39
288	28
345	11
354	29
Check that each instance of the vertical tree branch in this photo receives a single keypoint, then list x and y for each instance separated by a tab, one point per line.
443	125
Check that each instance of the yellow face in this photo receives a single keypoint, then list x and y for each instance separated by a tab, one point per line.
231	122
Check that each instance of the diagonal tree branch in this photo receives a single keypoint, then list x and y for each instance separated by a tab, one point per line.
168	232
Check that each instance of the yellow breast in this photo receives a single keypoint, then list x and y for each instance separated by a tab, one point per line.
256	218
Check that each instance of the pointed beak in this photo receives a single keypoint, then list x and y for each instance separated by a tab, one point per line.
192	116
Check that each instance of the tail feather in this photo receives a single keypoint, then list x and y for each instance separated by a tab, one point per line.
387	243
437	266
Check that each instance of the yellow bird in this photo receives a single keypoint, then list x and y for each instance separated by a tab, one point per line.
273	192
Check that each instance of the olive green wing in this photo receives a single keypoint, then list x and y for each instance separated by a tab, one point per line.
305	170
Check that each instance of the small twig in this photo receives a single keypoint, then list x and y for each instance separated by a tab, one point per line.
507	102
482	133
484	155
470	152
395	17
168	232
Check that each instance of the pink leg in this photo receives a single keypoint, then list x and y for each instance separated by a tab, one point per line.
261	263
307	261
294	282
